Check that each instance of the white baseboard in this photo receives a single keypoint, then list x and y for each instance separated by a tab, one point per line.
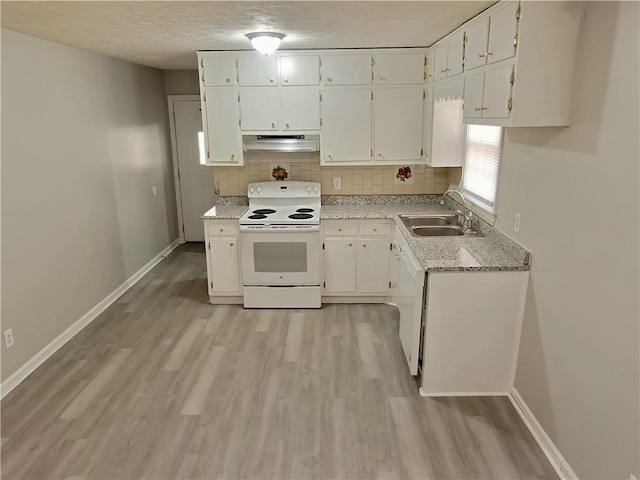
559	464
23	372
461	394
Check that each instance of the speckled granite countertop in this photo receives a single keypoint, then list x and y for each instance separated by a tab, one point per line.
491	252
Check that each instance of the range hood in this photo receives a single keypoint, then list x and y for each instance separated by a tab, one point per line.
281	143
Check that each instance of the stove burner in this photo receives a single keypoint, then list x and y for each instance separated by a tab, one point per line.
263	211
257	217
300	216
304	210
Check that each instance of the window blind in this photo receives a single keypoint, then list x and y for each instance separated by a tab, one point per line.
481	163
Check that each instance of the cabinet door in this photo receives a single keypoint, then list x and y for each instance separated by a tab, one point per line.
497	92
224	265
346	69
447	148
427	123
339	265
398	123
218	71
409	302
502	33
398	68
300	108
455	54
373	275
259	108
440	61
223	138
257	71
300	70
473	87
476	49
346	125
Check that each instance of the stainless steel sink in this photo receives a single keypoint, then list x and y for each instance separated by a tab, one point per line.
436	231
441	225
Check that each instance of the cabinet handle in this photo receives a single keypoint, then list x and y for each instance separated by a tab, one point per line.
382	78
330	157
286	80
349	244
233	156
270	79
489	53
222	229
286	125
340	231
482	55
480	109
375	229
380	155
273	125
228	80
364	245
329	79
231	244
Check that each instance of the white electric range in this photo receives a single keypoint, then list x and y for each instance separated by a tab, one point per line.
280	245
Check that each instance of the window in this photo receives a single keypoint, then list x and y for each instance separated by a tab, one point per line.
481	164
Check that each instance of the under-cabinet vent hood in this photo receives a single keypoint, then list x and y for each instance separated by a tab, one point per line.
281	143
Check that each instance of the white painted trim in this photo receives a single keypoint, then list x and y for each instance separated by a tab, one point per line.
462	394
559	464
38	359
174	155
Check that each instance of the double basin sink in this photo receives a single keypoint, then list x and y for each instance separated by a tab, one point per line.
439	225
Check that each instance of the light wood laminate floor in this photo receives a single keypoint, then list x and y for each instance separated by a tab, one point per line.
164	385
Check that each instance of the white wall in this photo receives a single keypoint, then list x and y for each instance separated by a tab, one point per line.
577	191
181	82
84	140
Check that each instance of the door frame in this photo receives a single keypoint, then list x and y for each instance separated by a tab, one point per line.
174	155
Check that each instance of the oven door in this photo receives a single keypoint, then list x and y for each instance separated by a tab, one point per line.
280	257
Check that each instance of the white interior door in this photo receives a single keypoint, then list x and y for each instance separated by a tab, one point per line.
195	185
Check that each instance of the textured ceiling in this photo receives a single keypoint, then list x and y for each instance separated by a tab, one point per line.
166	34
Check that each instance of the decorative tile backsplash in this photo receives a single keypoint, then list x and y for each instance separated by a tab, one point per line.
379	180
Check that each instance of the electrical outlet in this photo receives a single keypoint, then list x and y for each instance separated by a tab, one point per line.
337	183
8	338
516	223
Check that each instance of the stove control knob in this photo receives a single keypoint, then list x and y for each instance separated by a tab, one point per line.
308	189
258	189
251	190
316	189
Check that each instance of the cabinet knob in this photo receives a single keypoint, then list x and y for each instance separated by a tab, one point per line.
382	78
222	229
380	155
340	231
482	55
273	125
375	229
330	157
231	244
364	245
228	80
233	156
270	79
350	244
286	125
329	79
489	53
286	80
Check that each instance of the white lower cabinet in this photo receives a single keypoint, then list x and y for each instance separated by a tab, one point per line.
223	260
357	257
472	332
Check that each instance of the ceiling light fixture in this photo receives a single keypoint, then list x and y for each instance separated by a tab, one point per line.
265	42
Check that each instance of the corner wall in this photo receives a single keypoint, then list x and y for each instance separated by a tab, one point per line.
84	141
577	190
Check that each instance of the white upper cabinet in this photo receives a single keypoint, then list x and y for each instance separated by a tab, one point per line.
446	132
493	38
519	60
259	109
218	71
257	71
348	69
300	70
221	119
346	125
398	123
448	56
300	108
398	68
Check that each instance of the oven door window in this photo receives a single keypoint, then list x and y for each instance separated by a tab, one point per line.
285	257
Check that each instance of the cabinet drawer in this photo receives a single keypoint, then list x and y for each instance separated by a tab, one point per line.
222	228
340	228
375	229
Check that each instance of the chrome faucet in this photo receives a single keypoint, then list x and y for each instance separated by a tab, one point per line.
452	190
